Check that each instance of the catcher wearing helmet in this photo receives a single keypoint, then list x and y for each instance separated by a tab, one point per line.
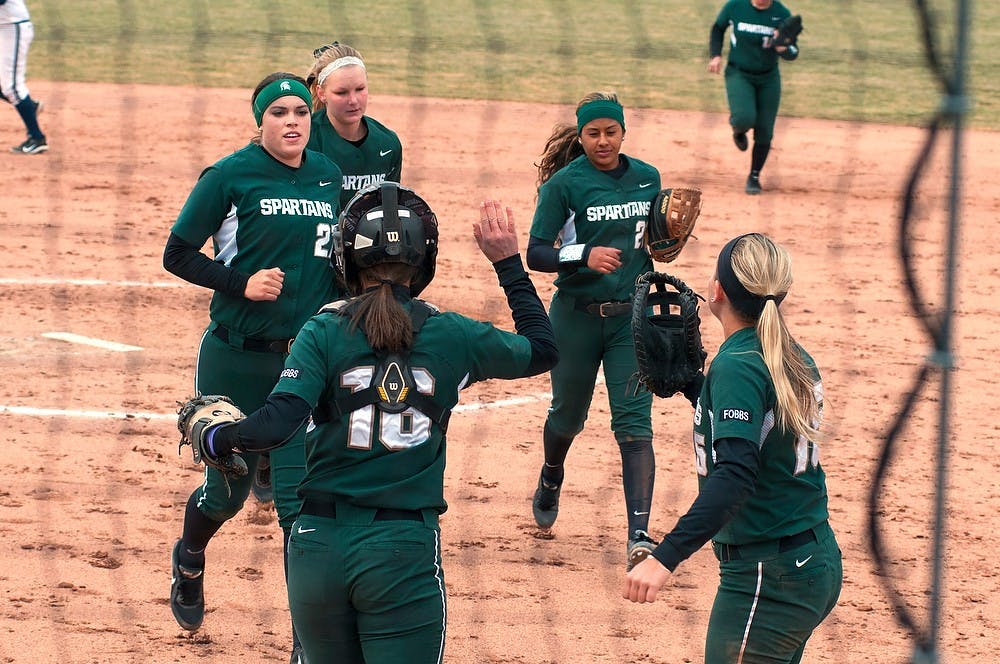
375	377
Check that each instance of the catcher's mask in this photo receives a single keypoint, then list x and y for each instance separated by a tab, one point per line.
385	223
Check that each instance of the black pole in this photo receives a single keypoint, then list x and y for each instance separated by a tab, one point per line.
956	107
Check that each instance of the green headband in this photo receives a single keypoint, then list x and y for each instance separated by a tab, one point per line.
282	87
599	108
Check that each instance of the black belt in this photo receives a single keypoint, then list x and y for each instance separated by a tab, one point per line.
605	309
749	71
727	552
327	509
282	346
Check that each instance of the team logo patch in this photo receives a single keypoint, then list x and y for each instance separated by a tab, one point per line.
290	373
735	414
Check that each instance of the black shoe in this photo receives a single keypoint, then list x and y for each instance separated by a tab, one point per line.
261	486
31	146
545	504
187	600
297	656
640	545
753	185
740	138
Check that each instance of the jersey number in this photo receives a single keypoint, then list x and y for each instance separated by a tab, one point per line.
700	454
397	431
807	451
324	241
640	228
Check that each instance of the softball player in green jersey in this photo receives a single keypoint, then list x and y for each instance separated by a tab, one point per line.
753	80
762	492
592	207
270	209
377	376
367	151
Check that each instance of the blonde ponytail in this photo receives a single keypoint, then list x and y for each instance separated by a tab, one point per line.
765	269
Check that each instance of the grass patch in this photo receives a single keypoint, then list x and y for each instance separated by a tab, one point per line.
860	60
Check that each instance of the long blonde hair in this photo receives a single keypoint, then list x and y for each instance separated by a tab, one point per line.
765	269
562	146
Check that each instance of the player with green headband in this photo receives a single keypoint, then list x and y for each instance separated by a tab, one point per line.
593	202
269	209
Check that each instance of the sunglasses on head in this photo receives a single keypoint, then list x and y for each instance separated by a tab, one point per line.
323	49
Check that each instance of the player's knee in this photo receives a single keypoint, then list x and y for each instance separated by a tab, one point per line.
743	122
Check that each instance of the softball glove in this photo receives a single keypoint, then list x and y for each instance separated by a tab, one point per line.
666	330
195	419
671	219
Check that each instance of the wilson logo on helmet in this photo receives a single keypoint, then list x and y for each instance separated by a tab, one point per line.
385	223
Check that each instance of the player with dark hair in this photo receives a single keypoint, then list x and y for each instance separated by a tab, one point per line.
377	377
753	80
593	203
762	492
366	150
270	209
16	33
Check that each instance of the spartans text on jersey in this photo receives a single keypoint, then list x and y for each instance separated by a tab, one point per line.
359	182
297	206
621	211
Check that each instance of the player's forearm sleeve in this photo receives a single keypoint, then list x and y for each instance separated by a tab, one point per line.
272	425
790	53
724	492
187	262
715	38
530	319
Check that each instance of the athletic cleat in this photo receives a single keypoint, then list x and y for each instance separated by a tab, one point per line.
753	185
740	138
31	146
545	504
261	486
187	599
640	545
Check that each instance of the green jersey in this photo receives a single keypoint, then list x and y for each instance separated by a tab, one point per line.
377	157
372	458
581	205
260	214
738	401
752	29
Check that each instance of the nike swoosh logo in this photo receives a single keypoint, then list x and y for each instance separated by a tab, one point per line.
383	153
302	530
323	184
639	513
643	186
800	564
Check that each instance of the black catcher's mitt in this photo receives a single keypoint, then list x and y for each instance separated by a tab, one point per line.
671	220
667	334
788	31
196	416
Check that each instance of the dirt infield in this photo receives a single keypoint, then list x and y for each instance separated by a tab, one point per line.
93	489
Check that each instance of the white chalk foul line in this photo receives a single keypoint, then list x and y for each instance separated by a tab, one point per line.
92	414
89	341
119	415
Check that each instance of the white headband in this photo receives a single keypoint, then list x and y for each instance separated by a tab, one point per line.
337	64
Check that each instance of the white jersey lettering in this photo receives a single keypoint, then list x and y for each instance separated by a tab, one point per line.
296	206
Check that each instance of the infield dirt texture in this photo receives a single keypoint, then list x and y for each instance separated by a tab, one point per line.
93	489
